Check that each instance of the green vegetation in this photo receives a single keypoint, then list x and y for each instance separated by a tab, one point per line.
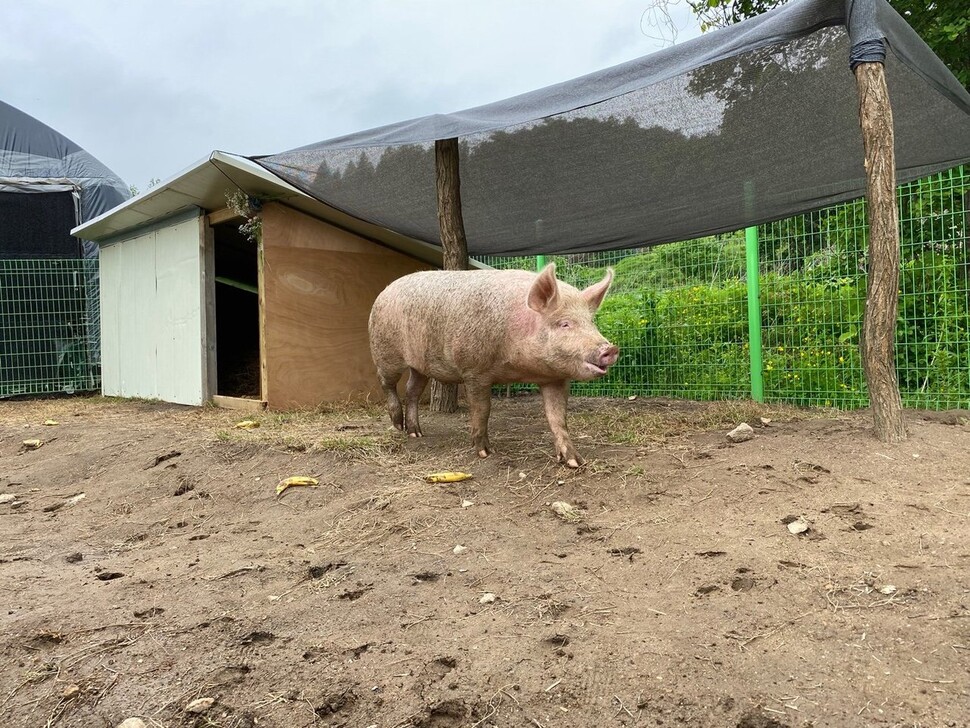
943	24
678	312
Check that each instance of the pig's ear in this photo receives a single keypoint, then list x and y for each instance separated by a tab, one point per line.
544	294
595	294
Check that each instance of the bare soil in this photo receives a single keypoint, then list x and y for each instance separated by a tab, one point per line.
673	594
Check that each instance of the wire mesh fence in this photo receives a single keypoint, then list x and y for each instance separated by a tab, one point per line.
680	312
48	326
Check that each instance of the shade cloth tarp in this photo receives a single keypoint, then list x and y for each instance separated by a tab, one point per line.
754	122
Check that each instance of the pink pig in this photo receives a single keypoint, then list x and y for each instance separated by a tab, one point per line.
489	327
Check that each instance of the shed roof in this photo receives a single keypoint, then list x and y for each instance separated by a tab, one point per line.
205	185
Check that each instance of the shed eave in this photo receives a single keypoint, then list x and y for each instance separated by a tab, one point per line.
205	184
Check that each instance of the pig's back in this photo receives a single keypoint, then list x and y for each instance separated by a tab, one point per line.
447	324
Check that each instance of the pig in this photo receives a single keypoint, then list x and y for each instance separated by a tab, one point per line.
485	327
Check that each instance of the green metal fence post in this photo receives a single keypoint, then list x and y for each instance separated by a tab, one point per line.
540	262
754	314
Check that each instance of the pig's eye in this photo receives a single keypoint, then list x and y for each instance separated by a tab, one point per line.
565	324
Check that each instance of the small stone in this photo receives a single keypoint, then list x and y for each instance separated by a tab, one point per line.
200	705
467	504
799	526
632	397
487	598
71	691
8	497
567	511
765	421
74	558
459	549
887	589
742	432
132	723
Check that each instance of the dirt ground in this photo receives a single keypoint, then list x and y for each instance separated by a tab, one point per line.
146	562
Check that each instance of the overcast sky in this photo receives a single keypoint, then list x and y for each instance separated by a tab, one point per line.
149	87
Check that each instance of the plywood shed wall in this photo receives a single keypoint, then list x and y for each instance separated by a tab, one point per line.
317	285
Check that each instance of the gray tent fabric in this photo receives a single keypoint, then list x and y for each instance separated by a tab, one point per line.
751	123
35	159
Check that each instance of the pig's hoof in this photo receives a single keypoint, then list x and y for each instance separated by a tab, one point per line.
571	461
416	433
484	453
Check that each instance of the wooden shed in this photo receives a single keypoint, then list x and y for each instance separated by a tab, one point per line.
192	310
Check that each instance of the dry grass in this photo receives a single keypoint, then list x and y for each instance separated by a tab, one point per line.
656	422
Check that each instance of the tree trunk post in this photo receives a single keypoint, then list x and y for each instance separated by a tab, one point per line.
454	246
878	338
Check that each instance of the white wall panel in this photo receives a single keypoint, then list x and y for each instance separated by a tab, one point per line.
152	318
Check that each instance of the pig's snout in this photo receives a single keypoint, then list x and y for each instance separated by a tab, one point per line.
603	358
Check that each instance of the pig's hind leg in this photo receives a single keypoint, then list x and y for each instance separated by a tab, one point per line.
389	379
415	388
479	396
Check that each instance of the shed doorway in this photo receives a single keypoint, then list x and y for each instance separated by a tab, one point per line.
237	313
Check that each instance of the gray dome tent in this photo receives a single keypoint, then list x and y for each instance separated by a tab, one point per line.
48	279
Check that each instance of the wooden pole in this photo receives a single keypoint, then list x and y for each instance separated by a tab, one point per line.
878	338
454	246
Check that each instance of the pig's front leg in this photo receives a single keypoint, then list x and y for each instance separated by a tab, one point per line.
480	406
554	398
415	388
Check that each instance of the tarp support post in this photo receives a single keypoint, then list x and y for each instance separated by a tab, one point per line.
754	314
454	245
877	342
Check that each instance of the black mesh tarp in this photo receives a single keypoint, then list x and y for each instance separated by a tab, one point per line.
750	123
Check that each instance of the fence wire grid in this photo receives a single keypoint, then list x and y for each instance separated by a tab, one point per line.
49	326
679	312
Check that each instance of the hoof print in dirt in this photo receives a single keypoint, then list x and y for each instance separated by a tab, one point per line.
439	667
425	577
334	702
711	554
257	638
354	653
445	713
162	458
755	719
230	674
355	594
108	575
743	583
628	551
558	642
705	590
74	558
318	572
148	613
